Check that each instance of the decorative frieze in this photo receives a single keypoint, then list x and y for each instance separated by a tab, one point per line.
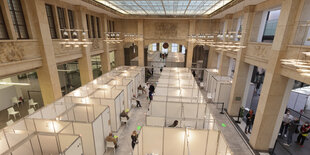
10	52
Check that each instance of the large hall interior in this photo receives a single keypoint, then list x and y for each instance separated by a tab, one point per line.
154	77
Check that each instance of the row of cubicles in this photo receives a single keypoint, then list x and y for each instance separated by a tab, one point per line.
178	97
78	122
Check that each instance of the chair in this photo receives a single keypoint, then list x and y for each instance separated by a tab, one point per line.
110	145
124	120
30	111
11	111
31	103
14	101
9	122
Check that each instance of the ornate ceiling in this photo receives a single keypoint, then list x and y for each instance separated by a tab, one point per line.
165	7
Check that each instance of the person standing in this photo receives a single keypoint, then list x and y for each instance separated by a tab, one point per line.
134	138
303	133
287	118
152	70
124	114
249	122
151	91
293	126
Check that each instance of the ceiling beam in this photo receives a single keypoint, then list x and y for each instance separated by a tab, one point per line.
189	2
140	7
162	3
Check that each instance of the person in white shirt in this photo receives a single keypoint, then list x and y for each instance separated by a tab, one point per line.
287	118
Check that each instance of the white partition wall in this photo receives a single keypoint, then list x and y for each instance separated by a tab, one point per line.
195	115
177	141
40	143
114	98
220	89
91	122
299	99
127	86
32	138
208	73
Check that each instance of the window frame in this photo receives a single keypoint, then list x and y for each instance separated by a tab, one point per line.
62	21
98	27
51	25
17	25
92	23
88	26
5	30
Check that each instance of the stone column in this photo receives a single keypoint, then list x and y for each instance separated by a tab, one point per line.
140	44
241	68
47	74
190	45
224	64
85	64
274	86
212	58
120	55
189	55
105	57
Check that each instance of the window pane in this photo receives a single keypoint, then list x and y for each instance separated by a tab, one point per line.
93	26
51	22
71	19
271	25
87	21
18	19
98	27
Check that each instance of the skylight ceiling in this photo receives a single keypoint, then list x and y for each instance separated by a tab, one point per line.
165	7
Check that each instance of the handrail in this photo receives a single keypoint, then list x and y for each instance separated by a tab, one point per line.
300	114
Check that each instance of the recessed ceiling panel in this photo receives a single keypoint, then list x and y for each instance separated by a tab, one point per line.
165	7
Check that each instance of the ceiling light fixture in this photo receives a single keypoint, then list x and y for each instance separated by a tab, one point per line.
13	83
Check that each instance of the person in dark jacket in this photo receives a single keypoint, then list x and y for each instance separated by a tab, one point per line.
134	138
124	114
151	91
249	122
303	133
292	127
152	70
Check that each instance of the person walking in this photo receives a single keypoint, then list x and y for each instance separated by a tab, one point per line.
134	138
249	122
303	133
137	100
293	126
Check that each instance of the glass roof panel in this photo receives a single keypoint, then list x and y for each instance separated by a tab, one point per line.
164	7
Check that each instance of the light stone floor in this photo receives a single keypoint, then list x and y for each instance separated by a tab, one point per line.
137	117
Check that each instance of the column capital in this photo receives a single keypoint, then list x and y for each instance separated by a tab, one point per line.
228	16
249	8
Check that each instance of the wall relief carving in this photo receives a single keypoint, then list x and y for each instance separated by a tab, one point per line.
164	29
95	44
10	52
259	51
